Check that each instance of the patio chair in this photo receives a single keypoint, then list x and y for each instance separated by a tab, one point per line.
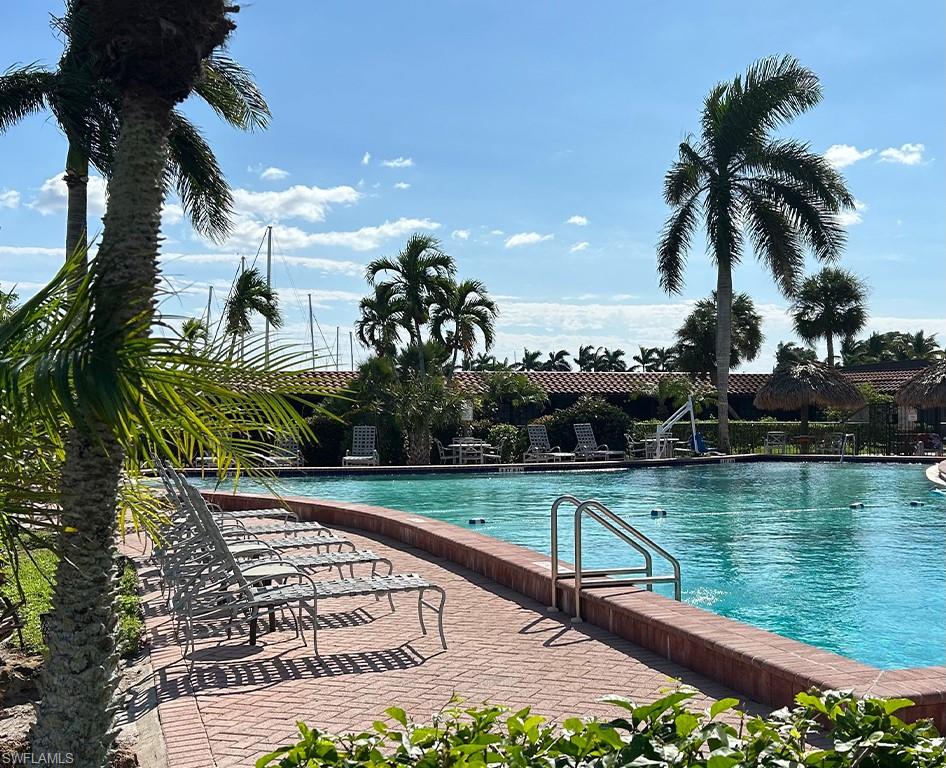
588	448
635	448
775	442
539	448
446	455
363	451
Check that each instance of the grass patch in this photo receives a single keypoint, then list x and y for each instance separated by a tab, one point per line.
37	569
36	579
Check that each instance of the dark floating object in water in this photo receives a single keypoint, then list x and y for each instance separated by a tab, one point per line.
477	521
857	505
917	503
658	513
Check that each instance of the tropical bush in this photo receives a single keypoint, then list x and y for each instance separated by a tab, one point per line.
608	421
508	394
848	732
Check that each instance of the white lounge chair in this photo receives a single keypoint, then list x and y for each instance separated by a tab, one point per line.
539	448
588	448
363	451
775	442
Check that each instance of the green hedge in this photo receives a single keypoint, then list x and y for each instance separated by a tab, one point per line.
833	730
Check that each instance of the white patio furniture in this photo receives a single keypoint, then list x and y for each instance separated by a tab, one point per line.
446	455
588	448
363	452
775	442
539	448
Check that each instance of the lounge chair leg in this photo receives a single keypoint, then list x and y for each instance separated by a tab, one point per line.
272	618
254	621
391	601
420	611
443	601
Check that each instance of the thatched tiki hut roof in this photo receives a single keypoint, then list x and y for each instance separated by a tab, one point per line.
800	385
927	389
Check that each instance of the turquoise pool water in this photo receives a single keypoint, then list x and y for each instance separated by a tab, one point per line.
774	545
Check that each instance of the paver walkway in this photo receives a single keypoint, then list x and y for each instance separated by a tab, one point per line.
239	701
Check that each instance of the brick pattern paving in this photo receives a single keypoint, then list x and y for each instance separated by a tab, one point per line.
239	702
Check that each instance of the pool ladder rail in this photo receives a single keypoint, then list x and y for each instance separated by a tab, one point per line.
603	577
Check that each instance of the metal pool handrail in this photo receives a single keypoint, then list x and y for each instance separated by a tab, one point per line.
641	543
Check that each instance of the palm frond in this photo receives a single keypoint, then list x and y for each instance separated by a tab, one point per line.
775	239
24	91
200	182
674	244
229	89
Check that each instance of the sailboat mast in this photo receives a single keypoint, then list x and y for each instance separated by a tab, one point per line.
269	281
311	333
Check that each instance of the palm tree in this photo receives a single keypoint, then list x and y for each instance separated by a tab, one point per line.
696	338
193	332
483	362
87	107
380	322
152	54
828	304
646	359
249	296
615	359
923	346
467	308
586	358
419	277
557	361
531	360
747	185
665	358
789	353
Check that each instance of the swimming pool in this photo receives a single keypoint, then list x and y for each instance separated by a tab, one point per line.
775	545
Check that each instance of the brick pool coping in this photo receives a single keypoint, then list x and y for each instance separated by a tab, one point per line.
766	667
571	466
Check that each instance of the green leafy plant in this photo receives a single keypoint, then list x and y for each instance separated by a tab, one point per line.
609	422
850	733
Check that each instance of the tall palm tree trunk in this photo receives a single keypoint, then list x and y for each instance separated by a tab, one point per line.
723	347
77	710
420	348
829	338
77	199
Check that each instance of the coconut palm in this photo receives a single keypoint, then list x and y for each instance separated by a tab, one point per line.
152	54
193	332
665	358
789	352
249	296
419	277
531	360
923	346
586	358
831	303
696	338
645	359
751	190
608	360
380	322
86	107
557	361
467	308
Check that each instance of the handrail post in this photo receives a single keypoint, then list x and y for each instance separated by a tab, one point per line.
576	619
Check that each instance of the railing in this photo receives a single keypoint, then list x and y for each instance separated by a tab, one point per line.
637	576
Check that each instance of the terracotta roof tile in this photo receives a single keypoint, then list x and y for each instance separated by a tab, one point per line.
619	383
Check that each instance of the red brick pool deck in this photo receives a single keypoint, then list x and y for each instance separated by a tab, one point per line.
239	702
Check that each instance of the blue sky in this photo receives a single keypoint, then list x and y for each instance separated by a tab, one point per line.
493	125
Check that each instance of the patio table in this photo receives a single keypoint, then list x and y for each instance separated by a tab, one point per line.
475	450
660	447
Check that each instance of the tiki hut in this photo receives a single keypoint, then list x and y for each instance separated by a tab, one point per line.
925	390
800	385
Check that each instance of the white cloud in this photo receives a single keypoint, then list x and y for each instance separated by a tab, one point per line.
906	154
402	185
338	266
583	245
31	250
9	198
51	196
496	232
526	238
298	201
172	213
460	234
398	162
273	174
366	158
848	218
843	155
578	221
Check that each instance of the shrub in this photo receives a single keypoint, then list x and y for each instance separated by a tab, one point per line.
608	421
850	733
130	616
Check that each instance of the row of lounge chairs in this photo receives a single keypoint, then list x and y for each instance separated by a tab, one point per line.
218	571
